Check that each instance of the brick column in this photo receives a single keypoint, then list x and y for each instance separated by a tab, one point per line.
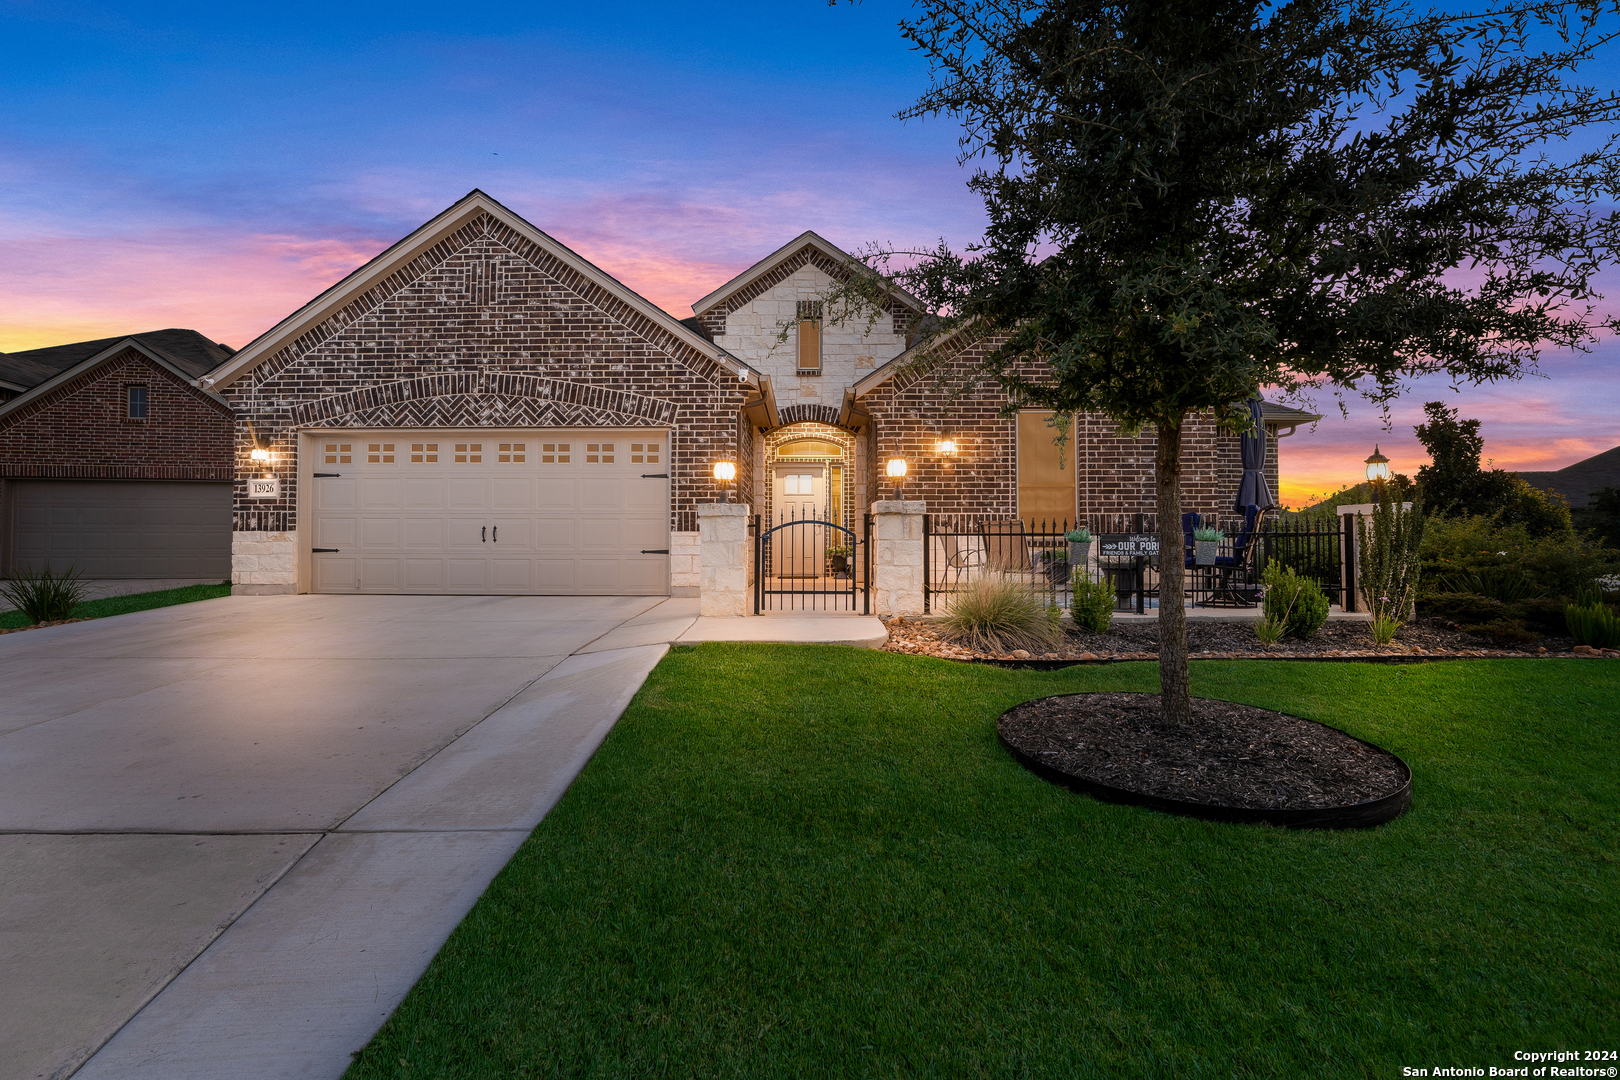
723	558
897	557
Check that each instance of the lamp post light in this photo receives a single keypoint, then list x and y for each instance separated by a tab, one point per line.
1377	473
724	473
896	470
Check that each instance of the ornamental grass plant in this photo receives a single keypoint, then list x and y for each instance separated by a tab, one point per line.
998	614
43	595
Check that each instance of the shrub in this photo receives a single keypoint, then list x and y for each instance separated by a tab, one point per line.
44	596
1093	605
1298	603
1269	630
1384	628
1389	565
1596	626
999	614
1462	607
1543	613
1456	548
1504	631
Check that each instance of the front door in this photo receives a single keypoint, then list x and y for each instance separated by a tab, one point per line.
801	495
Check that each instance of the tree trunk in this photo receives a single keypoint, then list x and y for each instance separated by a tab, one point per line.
1174	686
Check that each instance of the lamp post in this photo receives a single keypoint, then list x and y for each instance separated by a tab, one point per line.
1377	473
896	470
724	473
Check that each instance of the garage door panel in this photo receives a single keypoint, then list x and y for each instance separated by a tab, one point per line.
122	528
337	532
336	573
562	515
337	493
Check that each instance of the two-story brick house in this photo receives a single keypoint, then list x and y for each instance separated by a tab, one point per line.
481	410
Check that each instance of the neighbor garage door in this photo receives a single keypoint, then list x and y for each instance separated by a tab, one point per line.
122	528
537	511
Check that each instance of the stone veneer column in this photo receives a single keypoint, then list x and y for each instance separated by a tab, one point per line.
897	557
264	563
723	559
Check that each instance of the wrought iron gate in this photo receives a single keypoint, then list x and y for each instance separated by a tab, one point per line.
810	564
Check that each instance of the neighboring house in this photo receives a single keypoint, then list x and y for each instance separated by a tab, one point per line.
480	410
1577	482
113	462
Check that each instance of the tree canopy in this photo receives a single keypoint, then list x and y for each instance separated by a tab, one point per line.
1191	200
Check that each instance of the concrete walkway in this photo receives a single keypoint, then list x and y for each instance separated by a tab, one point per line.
234	833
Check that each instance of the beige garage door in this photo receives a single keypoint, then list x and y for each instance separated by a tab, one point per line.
122	528
539	511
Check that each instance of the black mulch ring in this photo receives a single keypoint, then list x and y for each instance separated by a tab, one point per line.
1231	763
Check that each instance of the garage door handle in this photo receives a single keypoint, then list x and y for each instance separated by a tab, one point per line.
655	551
655	476
321	474
317	551
483	534
495	534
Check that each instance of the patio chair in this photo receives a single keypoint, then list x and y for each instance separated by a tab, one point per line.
1004	545
1238	577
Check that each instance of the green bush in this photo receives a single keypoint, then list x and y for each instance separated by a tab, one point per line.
1543	613
44	596
1461	607
1454	549
999	614
1504	632
1093	605
1596	626
1298	603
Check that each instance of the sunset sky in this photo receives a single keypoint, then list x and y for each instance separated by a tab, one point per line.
216	166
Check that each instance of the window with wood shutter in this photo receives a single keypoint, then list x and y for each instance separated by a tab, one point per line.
809	335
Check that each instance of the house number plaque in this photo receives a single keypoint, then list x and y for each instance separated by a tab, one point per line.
264	489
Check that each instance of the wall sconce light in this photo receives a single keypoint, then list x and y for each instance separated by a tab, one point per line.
260	454
896	470
1377	466
725	472
261	445
947	447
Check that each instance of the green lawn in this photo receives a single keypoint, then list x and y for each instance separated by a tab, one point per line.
816	861
123	605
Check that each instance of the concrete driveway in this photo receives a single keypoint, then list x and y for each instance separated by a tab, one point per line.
233	833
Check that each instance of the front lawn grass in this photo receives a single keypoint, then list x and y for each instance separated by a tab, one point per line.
817	861
123	605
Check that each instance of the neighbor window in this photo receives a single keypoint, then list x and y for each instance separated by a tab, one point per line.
137	402
809	335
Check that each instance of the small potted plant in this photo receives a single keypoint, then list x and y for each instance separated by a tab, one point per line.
1206	542
1079	546
838	559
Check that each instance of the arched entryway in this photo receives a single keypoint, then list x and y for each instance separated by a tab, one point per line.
810	468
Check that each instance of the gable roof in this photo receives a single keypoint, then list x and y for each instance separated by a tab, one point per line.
186	350
116	348
456	216
788	251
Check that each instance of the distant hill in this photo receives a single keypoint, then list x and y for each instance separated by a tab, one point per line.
1576	482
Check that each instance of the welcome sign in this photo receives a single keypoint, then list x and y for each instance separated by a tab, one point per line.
1127	547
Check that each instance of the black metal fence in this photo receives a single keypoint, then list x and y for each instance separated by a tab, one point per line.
811	564
960	548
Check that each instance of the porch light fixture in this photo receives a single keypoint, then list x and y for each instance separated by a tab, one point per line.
1377	466
724	473
261	445
260	454
896	470
947	447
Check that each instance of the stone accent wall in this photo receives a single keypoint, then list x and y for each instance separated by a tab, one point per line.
264	563
724	557
82	428
749	324
897	558
486	329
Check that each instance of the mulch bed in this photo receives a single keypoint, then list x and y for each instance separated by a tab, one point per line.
1219	640
40	625
1228	756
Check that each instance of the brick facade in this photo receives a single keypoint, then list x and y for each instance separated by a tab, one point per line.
82	430
486	329
913	412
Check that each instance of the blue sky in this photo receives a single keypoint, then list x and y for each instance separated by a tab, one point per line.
216	166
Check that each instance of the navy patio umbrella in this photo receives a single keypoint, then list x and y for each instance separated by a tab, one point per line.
1253	489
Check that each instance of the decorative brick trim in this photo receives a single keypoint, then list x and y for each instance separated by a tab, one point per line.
821	414
482	399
